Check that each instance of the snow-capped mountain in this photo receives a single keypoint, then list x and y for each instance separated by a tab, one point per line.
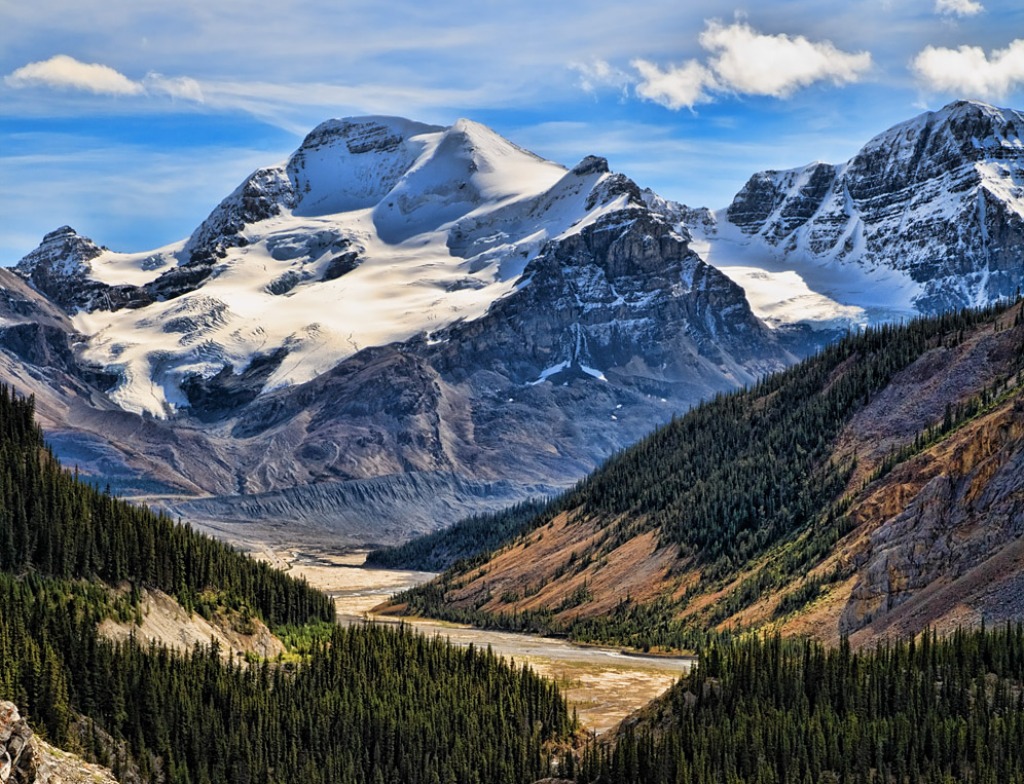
927	217
433	314
374	231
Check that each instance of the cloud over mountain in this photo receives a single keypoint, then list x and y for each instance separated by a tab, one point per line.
970	71
743	61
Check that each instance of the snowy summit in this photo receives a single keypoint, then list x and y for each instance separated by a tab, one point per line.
376	229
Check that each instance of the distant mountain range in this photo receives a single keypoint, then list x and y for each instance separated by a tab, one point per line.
404	323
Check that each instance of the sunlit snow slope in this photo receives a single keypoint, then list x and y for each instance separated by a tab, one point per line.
376	229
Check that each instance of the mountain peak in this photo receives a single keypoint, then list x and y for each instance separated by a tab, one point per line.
969	106
371	133
63	253
351	163
592	164
971	126
62	232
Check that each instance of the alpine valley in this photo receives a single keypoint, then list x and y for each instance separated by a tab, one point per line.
403	324
787	436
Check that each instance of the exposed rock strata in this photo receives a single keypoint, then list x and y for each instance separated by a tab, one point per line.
939	198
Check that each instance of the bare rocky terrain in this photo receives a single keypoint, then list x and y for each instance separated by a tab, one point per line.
166	623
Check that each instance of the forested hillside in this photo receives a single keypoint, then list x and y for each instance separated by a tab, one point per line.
366	704
56	526
771	711
789	498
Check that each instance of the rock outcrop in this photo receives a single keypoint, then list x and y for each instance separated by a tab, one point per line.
951	554
25	759
17	754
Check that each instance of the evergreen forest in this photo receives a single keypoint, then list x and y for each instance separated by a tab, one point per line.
767	710
365	704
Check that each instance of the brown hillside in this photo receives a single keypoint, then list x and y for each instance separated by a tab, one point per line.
933	519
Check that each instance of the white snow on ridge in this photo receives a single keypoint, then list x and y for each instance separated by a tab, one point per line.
450	236
135	269
786	288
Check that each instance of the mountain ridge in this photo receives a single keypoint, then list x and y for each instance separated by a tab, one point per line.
872	490
926	217
473	312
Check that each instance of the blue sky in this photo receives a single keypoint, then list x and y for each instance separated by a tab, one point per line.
131	119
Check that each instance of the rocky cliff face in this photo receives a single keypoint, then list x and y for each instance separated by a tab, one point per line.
951	554
939	198
938	541
17	755
60	268
25	759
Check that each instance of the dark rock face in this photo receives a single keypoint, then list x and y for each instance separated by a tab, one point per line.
17	754
211	398
62	253
260	197
624	293
339	265
60	268
756	201
592	164
940	197
40	335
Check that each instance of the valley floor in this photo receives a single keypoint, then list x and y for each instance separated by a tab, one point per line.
603	684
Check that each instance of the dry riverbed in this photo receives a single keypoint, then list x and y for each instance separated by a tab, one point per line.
604	685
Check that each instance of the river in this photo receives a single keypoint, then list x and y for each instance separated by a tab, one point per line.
603	684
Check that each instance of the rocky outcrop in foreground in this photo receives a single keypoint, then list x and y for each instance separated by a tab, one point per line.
25	759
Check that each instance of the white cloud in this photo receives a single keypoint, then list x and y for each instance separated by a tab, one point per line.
174	86
969	72
65	72
675	87
958	7
283	104
599	73
745	61
756	64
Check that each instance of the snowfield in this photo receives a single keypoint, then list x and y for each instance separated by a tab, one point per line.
439	223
